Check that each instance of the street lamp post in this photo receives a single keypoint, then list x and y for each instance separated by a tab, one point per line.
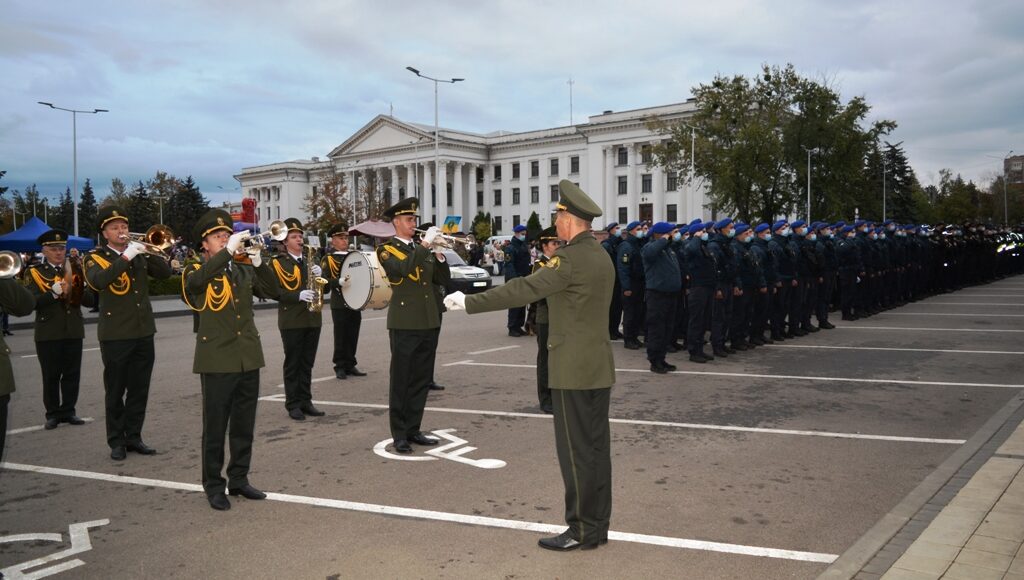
74	147
160	199
437	131
809	152
1006	207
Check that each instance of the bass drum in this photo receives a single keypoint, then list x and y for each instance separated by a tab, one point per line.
367	286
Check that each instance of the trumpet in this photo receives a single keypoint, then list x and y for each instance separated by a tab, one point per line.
447	242
157	240
278	231
10	264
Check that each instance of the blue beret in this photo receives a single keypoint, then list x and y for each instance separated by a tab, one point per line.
798	224
742	228
847	229
859	223
696	221
609	227
760	228
886	222
778	224
723	223
632	226
662	228
519	228
838	224
695	228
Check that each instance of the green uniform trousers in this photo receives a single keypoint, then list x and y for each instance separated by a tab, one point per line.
300	346
229	406
583	443
127	369
412	367
61	365
543	392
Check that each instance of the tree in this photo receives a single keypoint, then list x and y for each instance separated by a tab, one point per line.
533	227
481	227
328	204
184	207
142	210
87	211
162	189
6	224
118	195
63	215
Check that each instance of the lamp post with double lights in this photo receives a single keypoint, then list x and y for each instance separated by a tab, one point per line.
809	152
74	147
437	131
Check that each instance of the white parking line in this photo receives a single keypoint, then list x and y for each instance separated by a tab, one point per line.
848	327
783	377
972	314
40	427
893	349
988	295
416	513
830	434
83	350
494	349
968	304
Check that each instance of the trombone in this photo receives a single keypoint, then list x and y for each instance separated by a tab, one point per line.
10	264
157	241
447	242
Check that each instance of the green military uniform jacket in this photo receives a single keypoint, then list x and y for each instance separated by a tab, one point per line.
331	266
541	316
55	318
227	340
291	280
123	287
16	300
578	282
413	271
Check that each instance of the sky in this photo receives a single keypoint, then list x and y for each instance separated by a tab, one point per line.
205	88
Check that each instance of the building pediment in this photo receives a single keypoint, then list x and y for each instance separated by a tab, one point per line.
383	132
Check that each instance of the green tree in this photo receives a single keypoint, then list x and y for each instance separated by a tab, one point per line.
328	203
184	208
481	226
118	195
533	227
142	210
62	215
6	224
87	211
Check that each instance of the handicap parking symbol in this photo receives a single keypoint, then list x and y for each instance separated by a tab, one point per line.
78	534
452	450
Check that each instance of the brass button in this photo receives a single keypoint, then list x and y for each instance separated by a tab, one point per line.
239	333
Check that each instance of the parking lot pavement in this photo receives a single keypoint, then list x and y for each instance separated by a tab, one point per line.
773	463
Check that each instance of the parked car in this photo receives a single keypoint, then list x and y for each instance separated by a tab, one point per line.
466	278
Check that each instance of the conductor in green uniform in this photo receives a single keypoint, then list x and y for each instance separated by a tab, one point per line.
577	282
60	329
414	320
229	354
120	273
15	299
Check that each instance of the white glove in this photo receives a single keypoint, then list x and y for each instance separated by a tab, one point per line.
316	270
430	234
307	295
235	241
346	281
57	289
256	258
455	301
134	249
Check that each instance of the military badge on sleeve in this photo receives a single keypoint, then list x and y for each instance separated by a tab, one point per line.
554	262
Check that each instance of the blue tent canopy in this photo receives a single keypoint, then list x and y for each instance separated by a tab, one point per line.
24	238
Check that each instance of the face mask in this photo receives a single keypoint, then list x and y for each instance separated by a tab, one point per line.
787	232
521	237
641	234
615	233
873	236
677	236
851	235
881	236
767	238
801	232
730	234
831	236
704	237
812	237
747	239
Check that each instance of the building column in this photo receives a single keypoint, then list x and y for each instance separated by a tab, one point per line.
611	188
658	187
473	209
632	191
395	185
488	188
457	191
428	179
442	192
410	180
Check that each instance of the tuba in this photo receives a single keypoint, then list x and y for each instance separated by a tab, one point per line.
315	283
10	264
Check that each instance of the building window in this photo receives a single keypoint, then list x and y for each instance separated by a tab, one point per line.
670	213
622	216
515	196
574	164
450	196
623	156
497	225
645	183
314	191
515	220
623	184
387	197
479	174
277	194
515	171
554	167
497	173
554	193
480	200
646	154
277	212
673	181
535	169
535	194
401	193
268	213
497	197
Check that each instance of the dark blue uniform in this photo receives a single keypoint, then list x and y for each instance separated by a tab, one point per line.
763	301
611	245
726	279
663	284
700	265
629	266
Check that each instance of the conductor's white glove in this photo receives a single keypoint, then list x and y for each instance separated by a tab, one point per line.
235	241
316	270
134	249
455	301
307	295
57	289
431	234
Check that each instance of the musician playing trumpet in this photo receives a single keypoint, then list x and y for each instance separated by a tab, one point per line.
346	320
119	272
58	287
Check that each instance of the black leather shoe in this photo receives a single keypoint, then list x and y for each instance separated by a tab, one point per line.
309	409
826	325
670	368
547	409
75	420
141	448
421	439
672	348
657	367
435	387
720	352
248	492
219	502
296	414
811	329
355	372
615	336
738	346
633	344
729	349
51	424
515	332
564	542
342	375
118	454
402	446
698	358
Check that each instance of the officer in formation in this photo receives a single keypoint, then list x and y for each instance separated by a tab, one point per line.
517	264
59	327
727	285
663	284
548	243
119	272
702	271
577	282
630	273
298	324
346	320
15	299
229	354
611	245
753	288
414	320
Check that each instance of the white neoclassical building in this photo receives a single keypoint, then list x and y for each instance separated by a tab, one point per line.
507	174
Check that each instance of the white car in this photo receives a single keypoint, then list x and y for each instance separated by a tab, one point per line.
466	278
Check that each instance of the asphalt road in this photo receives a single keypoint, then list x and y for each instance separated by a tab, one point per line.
768	464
